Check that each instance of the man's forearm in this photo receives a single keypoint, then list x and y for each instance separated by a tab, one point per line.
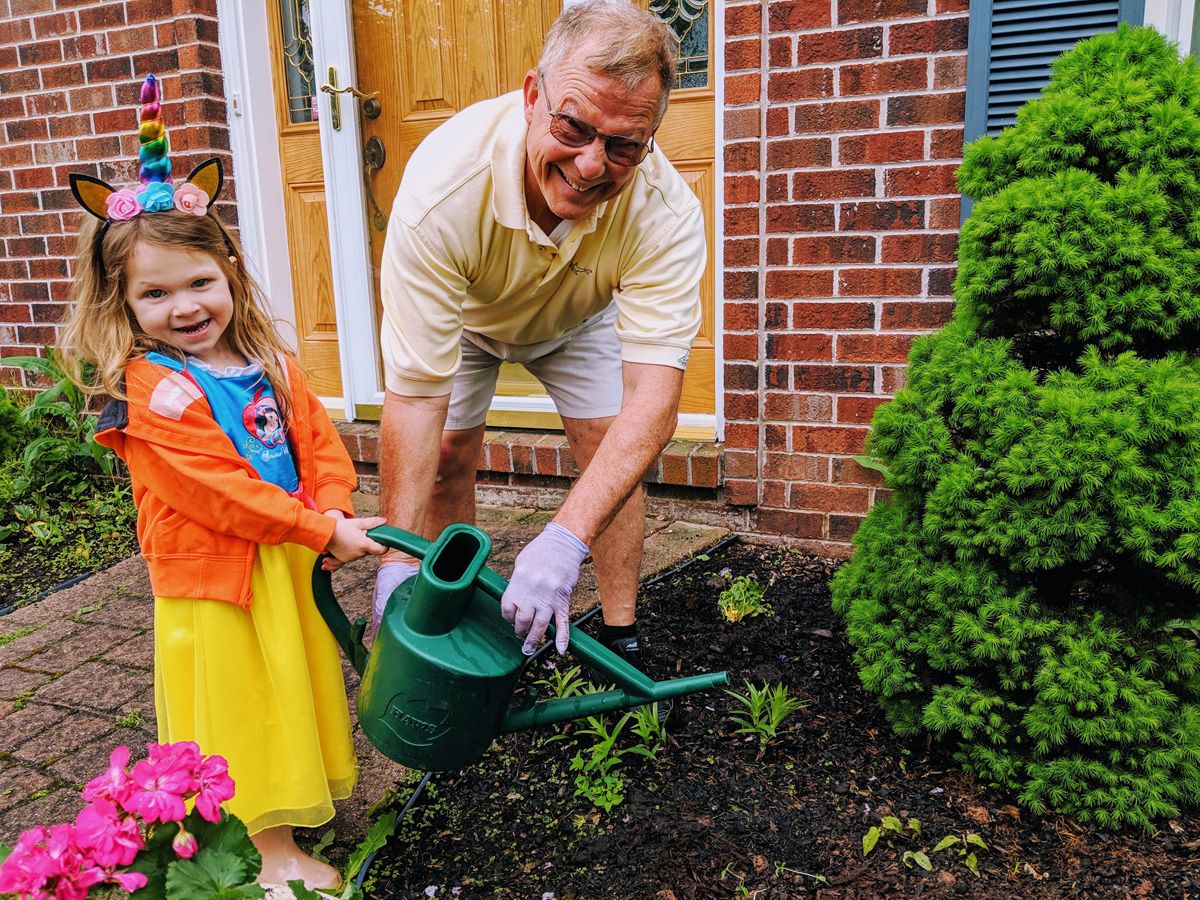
409	448
637	435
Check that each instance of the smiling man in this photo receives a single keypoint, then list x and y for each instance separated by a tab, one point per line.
545	228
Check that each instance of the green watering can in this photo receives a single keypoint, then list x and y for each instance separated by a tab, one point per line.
437	682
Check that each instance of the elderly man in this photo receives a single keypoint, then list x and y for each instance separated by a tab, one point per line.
543	227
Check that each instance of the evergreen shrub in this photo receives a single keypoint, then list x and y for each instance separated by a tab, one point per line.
1029	594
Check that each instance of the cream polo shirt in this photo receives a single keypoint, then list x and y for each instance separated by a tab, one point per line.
462	253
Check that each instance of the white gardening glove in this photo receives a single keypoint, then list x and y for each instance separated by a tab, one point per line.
389	577
544	577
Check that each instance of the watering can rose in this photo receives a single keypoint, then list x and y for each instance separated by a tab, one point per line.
125	809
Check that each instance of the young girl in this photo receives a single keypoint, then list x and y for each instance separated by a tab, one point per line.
240	481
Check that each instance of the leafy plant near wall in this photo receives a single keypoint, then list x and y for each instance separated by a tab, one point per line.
1030	593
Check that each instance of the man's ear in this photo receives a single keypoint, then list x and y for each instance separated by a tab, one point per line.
530	89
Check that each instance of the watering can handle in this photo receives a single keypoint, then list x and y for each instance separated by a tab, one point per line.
348	635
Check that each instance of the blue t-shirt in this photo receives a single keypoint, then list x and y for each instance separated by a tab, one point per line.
243	403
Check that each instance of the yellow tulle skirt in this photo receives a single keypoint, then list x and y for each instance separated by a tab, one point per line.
262	688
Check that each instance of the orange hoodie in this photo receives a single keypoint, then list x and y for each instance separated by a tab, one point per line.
202	508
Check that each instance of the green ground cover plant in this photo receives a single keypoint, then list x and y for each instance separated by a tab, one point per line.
1029	594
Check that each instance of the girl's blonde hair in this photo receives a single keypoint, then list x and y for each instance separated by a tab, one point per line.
102	330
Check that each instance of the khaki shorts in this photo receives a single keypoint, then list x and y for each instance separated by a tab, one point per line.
581	371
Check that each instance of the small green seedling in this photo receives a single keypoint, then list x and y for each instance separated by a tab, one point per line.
766	709
596	779
651	732
891	829
966	855
563	683
743	598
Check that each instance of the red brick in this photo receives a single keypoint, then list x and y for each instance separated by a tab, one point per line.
779	121
740	492
774	493
837	116
151	10
873	10
741	253
931	36
885	147
741	463
858	409
891	379
741	406
800	346
796	15
777	251
882	215
37	334
800	283
789	522
15	312
740	347
777	188
795	467
55	25
42	105
952	6
874	347
98	148
805	84
743	55
835	316
21	81
811	251
12	107
742	157
799	153
743	437
775	437
13	270
119	67
131	40
26	246
919	248
847	471
843	528
835	46
830	498
741	220
927	109
834	379
50	313
90	98
828	439
883	77
946	143
949	71
945	213
800	217
941	282
836	184
741	285
22	130
877	282
742	123
40	54
788	406
29	290
20	202
741	316
741	20
781	53
16	30
740	377
70	126
742	89
915	315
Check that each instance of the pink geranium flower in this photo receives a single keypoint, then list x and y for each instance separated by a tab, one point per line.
163	780
122	205
215	787
47	862
114	783
184	844
111	837
190	198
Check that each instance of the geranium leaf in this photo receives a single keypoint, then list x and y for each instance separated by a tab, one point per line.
227	836
211	873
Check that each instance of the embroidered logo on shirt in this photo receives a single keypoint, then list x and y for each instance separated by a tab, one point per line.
578	270
173	395
683	360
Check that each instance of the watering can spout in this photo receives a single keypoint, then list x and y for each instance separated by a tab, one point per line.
438	681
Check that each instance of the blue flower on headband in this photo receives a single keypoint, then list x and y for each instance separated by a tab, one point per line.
157	197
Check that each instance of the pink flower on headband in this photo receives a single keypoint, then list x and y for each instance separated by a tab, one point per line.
190	198
122	205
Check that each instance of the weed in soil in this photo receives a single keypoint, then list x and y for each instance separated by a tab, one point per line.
706	816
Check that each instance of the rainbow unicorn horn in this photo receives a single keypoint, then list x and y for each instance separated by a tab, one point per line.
153	155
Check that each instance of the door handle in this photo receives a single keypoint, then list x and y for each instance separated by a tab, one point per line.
335	101
374	156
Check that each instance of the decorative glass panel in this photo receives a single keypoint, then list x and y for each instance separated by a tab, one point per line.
688	21
298	60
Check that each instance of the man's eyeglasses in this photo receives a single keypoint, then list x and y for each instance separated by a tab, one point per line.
573	132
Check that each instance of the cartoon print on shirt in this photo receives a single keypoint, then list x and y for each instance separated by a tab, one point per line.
262	420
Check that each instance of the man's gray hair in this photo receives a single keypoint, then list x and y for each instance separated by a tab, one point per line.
625	42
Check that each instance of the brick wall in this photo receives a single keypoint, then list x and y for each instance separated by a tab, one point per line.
70	75
843	128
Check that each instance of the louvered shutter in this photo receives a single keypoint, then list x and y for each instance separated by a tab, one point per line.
1012	43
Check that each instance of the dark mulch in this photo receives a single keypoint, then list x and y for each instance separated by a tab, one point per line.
711	819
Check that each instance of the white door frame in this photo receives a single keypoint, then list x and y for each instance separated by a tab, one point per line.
1174	19
246	61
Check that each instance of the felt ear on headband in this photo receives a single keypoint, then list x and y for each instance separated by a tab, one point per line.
92	194
209	178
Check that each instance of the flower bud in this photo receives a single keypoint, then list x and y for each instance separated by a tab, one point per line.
184	845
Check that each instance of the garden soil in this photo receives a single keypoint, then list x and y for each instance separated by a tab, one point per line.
712	817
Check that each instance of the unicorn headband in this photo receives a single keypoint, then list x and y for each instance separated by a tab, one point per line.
195	195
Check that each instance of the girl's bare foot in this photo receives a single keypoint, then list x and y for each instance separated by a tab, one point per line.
283	861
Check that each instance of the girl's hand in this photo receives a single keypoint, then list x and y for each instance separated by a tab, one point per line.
329	564
350	541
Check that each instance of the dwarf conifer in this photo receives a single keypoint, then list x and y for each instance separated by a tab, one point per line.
1031	592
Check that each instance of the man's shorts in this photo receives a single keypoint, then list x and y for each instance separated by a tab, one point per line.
581	371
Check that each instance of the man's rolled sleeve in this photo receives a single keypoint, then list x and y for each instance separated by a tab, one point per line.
658	301
422	314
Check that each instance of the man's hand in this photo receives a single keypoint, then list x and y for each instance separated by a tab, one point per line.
389	577
543	580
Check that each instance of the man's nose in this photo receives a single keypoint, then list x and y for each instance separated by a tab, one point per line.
591	160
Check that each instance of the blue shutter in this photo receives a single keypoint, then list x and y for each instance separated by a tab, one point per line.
1011	44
